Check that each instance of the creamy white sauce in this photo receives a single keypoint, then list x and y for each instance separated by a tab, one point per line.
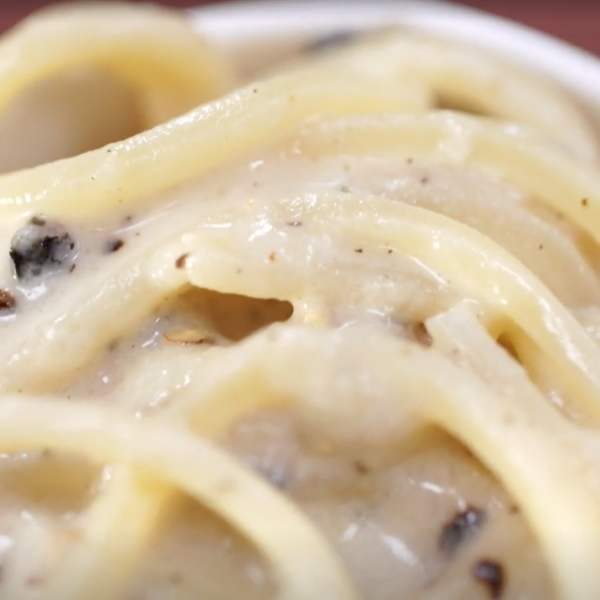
383	512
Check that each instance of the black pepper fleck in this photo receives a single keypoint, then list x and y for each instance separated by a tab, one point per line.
584	202
491	574
41	248
113	245
181	261
358	250
360	467
460	529
7	300
294	223
421	335
38	220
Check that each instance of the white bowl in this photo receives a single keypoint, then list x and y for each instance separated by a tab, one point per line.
252	30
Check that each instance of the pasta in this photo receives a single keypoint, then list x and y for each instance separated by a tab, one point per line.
324	328
100	56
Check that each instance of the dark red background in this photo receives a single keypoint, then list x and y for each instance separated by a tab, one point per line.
575	21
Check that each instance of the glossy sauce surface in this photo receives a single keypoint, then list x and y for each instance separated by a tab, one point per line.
396	514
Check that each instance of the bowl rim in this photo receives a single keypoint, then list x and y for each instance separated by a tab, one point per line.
573	68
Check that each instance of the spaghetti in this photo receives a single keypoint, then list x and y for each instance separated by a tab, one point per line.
306	332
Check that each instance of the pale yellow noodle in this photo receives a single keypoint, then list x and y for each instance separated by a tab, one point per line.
468	261
193	144
153	49
129	291
358	386
300	559
117	530
551	253
464	76
517	156
441	391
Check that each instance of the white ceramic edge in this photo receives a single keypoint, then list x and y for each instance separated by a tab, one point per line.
576	70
